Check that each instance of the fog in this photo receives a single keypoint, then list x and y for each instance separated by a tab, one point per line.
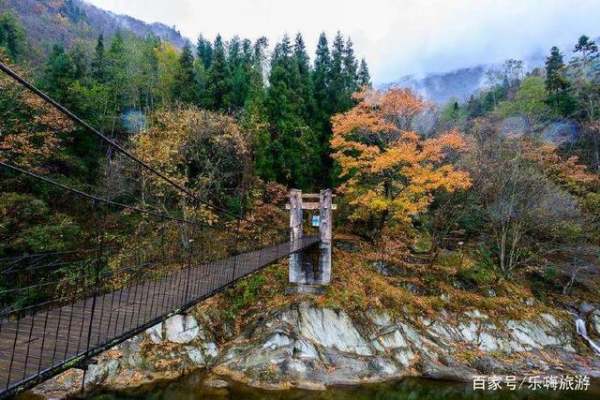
396	37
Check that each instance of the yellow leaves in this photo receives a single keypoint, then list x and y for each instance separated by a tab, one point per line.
361	119
399	153
198	149
391	171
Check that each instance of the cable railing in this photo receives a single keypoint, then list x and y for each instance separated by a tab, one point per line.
115	250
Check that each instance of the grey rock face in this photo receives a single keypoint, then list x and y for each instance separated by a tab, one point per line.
311	347
434	370
155	333
595	321
216	383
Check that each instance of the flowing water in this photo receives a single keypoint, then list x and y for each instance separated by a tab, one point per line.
192	388
582	331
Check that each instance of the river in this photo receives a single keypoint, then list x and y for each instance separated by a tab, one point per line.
191	387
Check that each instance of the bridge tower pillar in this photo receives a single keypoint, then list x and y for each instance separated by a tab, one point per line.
296	232
325	233
310	269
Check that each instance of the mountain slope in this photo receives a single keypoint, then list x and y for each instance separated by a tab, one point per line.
440	88
68	21
461	83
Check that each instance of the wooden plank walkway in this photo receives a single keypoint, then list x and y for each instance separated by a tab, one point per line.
46	343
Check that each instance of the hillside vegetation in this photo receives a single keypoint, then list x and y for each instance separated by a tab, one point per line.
489	200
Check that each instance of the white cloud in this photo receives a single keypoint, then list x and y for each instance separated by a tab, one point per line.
397	37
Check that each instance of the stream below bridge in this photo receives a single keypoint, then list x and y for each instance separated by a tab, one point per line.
192	387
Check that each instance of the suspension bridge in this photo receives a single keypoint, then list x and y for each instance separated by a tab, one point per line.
60	308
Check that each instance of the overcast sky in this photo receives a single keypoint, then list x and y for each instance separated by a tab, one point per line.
397	37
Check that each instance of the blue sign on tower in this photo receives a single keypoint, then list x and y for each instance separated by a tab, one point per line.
316	220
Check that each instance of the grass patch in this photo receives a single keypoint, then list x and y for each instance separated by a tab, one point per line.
417	289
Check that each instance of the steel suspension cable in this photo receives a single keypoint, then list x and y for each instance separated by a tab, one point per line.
7	70
96	198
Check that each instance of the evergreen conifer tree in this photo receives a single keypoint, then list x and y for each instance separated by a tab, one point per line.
204	51
293	143
557	85
321	79
99	61
364	78
59	74
219	78
12	35
304	83
337	80
185	88
350	72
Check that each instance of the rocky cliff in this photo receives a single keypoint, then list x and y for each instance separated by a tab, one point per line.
312	347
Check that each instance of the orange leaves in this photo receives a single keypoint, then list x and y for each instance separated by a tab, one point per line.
400	103
360	119
391	171
565	171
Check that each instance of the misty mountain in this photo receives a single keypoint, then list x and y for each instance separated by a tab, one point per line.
441	87
458	84
48	22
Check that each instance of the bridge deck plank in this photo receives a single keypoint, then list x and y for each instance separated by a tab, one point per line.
48	338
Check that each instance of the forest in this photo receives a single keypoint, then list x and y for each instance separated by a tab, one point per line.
234	120
222	119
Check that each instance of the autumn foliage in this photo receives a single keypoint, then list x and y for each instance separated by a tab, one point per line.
30	130
390	172
203	151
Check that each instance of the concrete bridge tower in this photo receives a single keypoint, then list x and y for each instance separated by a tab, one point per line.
309	271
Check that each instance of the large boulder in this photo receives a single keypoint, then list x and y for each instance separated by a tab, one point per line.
155	333
182	329
98	373
329	328
586	308
514	126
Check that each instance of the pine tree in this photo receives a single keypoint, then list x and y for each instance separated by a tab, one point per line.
321	80
117	50
293	142
150	72
12	35
337	80
185	88
304	84
204	51
350	71
99	61
237	60
258	58
78	57
556	83
219	78
254	118
364	78
587	50
117	75
587	91
59	75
